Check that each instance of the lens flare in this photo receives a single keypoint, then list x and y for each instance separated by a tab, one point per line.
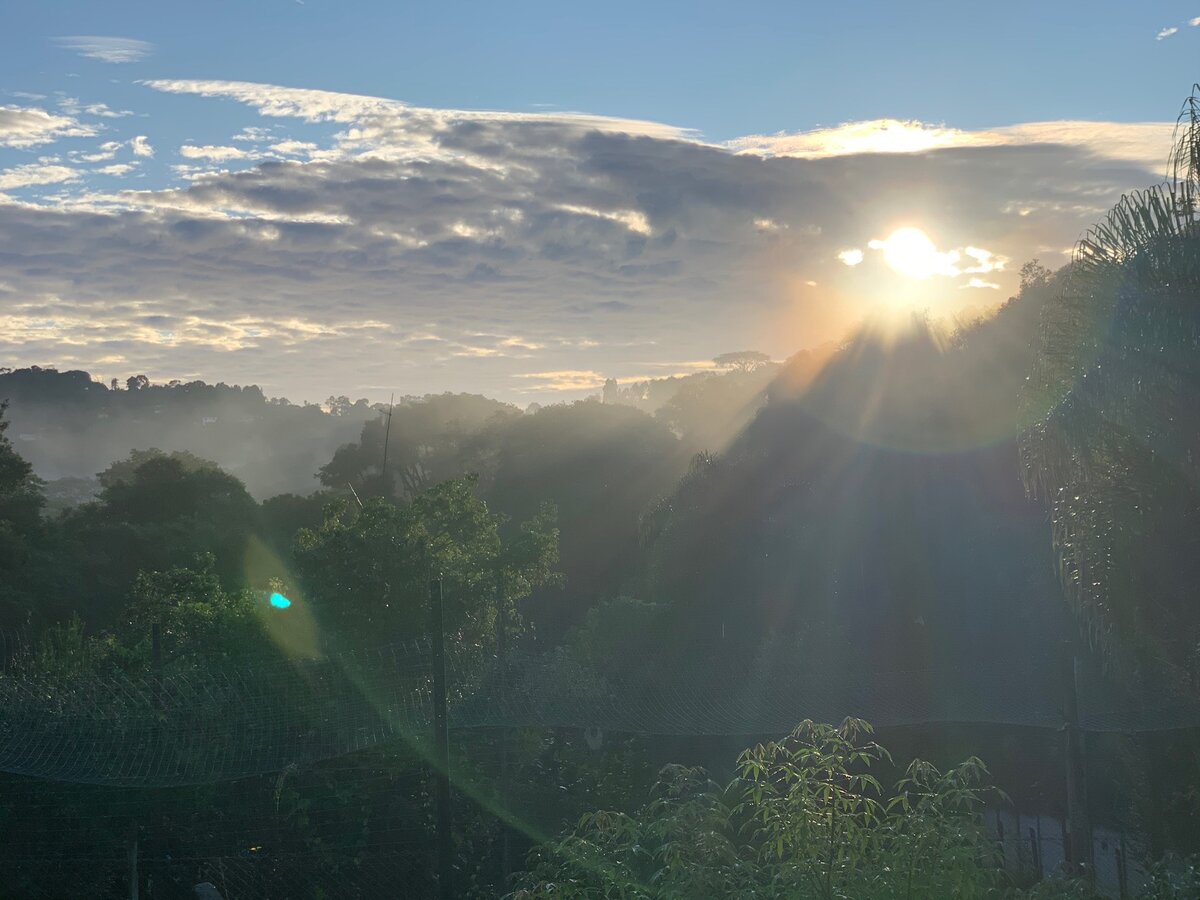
279	601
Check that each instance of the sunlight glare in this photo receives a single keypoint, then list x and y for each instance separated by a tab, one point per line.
911	252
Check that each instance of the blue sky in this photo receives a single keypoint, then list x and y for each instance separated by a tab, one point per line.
256	192
722	68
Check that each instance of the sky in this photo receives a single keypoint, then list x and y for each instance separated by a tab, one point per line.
523	199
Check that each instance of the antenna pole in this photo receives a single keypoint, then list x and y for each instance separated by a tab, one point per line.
387	433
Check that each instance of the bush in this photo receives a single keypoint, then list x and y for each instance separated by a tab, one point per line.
803	818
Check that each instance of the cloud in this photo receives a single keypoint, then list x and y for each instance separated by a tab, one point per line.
874	136
979	283
632	219
380	126
1194	22
252	133
106	49
294	148
1144	142
140	145
35	174
27	127
1166	33
851	257
216	154
107	150
574	380
73	106
537	253
117	169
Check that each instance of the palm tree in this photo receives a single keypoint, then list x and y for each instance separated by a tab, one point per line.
1113	406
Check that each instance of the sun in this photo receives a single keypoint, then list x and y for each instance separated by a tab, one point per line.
911	252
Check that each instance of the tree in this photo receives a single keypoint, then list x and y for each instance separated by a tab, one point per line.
708	413
137	383
158	511
1034	275
424	443
600	465
367	570
1114	402
21	502
611	391
197	617
805	817
742	360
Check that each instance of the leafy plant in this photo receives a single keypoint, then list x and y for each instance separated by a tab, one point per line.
804	818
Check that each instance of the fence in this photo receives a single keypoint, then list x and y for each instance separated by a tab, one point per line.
210	772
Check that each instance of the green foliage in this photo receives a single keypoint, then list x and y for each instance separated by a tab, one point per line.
157	512
804	818
195	615
67	650
424	439
1174	878
367	570
1113	400
20	528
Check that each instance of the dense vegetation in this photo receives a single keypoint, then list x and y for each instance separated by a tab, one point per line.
860	509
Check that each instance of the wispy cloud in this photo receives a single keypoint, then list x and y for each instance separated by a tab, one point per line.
73	106
106	49
1194	22
1166	33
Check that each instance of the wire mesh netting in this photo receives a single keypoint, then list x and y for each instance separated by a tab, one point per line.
220	722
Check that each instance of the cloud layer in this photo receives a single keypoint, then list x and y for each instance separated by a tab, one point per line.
358	244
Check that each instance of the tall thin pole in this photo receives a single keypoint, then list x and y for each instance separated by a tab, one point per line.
441	742
134	878
156	661
387	433
506	865
1079	827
